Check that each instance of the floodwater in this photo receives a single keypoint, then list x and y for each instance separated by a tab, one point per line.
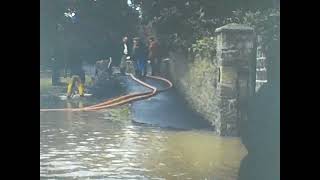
109	145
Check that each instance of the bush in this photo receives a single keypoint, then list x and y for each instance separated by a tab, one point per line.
200	31
205	47
266	23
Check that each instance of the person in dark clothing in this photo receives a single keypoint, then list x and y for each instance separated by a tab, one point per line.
126	51
154	56
55	72
139	56
57	56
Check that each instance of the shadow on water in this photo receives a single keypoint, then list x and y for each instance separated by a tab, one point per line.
166	110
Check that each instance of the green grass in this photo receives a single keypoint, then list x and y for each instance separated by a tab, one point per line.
45	84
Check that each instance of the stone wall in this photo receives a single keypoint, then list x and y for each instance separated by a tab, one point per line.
197	82
261	76
218	88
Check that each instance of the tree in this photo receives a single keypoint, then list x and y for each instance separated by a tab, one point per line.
96	25
180	23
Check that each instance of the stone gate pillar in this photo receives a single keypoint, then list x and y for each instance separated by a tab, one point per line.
236	52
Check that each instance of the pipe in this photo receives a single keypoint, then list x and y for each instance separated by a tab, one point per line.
122	99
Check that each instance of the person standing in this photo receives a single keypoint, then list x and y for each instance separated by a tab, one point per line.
125	50
154	56
139	55
76	71
56	55
74	53
55	78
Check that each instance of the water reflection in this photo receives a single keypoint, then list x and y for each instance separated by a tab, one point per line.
106	145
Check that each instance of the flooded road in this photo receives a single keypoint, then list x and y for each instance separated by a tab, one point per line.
110	144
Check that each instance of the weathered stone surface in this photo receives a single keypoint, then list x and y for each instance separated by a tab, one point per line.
261	71
235	54
198	82
228	75
235	28
261	63
228	91
261	75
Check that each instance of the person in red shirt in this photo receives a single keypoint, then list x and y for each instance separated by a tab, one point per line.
154	56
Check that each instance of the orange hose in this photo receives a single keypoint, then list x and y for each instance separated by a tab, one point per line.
122	99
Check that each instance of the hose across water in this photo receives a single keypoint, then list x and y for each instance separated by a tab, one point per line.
122	99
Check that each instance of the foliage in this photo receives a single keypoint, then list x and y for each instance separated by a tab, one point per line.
95	29
205	47
180	24
266	23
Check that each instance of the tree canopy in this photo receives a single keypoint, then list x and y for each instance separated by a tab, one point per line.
181	23
94	26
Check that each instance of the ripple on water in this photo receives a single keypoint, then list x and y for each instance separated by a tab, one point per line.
66	152
82	148
80	174
125	151
63	168
117	161
46	156
56	163
71	137
72	143
115	150
109	155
